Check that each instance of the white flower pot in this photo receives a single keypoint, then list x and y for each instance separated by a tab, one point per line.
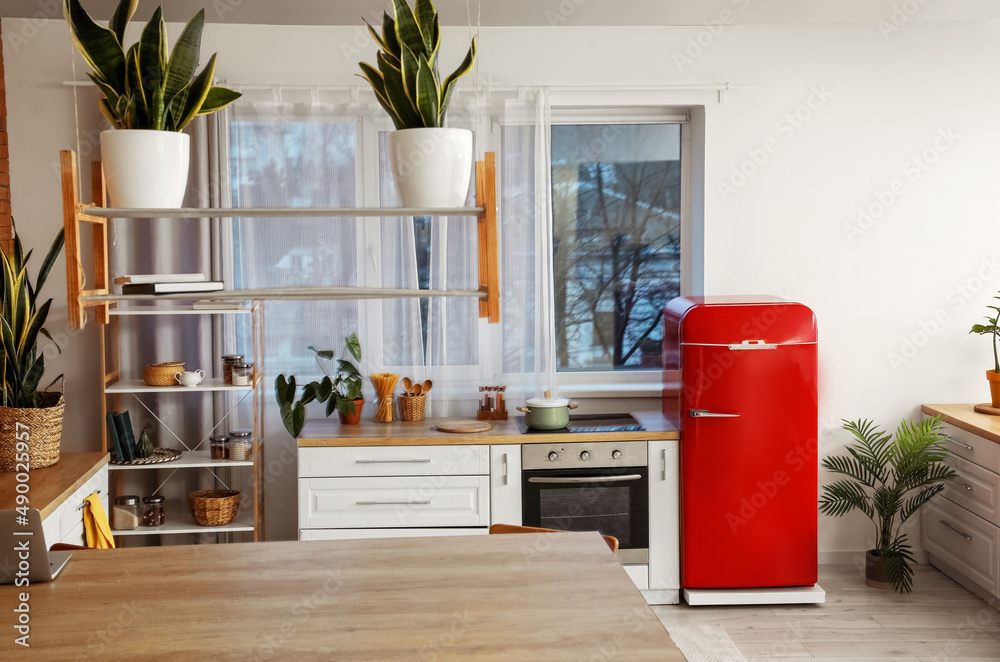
145	169
431	167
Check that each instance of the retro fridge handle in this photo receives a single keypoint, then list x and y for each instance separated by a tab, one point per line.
701	413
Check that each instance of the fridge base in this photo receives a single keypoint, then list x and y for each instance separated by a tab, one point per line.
796	595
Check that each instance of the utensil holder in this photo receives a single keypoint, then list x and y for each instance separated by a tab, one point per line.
411	407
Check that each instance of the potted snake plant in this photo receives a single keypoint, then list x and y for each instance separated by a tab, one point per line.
992	329
150	95
431	164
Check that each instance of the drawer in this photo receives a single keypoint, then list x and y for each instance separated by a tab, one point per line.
964	541
403	501
971	447
976	489
65	523
354	534
394	461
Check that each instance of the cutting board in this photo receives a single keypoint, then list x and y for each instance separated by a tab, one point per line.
464	426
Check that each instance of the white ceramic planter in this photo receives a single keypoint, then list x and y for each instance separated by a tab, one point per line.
431	167
145	169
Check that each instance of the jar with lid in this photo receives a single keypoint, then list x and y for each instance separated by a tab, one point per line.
242	374
219	444
241	445
126	512
228	361
152	511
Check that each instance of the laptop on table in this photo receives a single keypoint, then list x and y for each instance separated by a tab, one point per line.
23	551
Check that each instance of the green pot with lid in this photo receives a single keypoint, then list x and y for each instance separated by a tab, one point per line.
547	413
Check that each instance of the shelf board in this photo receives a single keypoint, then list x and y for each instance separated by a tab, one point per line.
188	460
296	293
280	212
176	310
180	521
139	386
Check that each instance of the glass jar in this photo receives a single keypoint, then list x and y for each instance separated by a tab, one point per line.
220	446
126	512
241	445
228	361
152	511
242	374
385	409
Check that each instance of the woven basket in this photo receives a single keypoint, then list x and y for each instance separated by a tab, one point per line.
411	407
162	374
214	507
44	428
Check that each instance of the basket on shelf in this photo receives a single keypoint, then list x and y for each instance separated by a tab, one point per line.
162	374
411	407
44	427
214	507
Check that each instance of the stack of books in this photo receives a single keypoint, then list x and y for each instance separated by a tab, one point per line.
167	283
122	437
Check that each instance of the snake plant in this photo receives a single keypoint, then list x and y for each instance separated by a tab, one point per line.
406	82
21	320
145	87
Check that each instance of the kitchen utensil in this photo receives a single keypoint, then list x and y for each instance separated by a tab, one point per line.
416	390
464	426
411	407
547	413
426	386
407	384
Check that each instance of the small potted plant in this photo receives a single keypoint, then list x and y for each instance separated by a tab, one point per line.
431	164
341	392
149	97
993	376
888	479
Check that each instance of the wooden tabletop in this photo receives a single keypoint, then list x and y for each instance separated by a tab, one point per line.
48	488
965	417
560	596
329	432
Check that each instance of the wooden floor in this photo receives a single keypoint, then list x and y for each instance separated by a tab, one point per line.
940	621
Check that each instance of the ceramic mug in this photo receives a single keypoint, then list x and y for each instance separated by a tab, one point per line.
189	378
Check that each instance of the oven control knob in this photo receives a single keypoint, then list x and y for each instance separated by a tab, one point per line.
553	456
585	455
617	455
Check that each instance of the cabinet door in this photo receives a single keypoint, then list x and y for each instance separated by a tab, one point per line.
664	515
964	541
452	460
505	484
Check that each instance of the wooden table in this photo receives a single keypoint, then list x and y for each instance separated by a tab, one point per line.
536	597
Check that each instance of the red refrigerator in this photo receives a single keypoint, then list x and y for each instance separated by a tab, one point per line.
740	385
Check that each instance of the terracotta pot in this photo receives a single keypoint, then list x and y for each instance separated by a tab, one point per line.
875	571
994	379
348	419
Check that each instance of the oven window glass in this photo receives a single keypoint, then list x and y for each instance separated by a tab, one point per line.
604	509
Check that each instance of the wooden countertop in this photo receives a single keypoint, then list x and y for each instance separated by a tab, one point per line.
541	597
51	486
329	432
965	417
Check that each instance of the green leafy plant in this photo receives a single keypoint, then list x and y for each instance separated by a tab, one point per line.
888	479
338	391
21	322
145	87
991	329
406	81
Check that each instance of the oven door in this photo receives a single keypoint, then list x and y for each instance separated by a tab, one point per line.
612	501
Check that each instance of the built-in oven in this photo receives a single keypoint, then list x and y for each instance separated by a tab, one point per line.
588	486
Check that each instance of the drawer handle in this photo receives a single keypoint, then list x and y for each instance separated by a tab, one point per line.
961	533
407	461
966	486
505	468
393	503
959	443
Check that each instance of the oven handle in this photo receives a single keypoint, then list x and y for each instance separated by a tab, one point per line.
585	479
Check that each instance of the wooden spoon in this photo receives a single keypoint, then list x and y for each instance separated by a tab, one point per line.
406	385
426	386
415	390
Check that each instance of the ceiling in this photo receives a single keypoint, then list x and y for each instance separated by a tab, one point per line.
540	12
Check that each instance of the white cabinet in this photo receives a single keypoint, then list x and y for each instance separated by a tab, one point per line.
664	576
65	523
505	484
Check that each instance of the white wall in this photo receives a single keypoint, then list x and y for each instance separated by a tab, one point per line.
908	284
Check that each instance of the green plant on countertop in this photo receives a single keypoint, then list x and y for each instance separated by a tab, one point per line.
888	479
338	391
992	329
406	81
145	87
21	321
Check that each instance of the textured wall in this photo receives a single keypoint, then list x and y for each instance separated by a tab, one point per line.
5	217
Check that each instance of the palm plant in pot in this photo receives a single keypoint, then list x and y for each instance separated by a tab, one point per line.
888	478
150	95
431	164
30	419
992	329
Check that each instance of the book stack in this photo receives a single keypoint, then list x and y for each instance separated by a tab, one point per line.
122	437
167	283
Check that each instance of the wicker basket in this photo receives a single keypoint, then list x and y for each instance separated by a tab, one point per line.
162	374
411	407
44	428
214	507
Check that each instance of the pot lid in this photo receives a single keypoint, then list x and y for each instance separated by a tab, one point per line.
547	402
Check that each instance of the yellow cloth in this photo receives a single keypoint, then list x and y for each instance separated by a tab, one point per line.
95	524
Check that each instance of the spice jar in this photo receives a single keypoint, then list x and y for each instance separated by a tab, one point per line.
219	443
228	361
126	512
152	512
242	374
241	445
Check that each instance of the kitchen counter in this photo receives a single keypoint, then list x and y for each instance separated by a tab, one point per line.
329	432
50	487
965	417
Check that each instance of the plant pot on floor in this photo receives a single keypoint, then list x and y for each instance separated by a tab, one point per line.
355	418
39	428
145	169
875	575
432	167
994	378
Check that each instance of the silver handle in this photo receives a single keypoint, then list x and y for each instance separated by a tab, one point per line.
702	413
392	503
415	460
961	533
664	463
959	443
504	468
586	479
968	488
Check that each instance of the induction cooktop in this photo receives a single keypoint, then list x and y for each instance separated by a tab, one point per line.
583	423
